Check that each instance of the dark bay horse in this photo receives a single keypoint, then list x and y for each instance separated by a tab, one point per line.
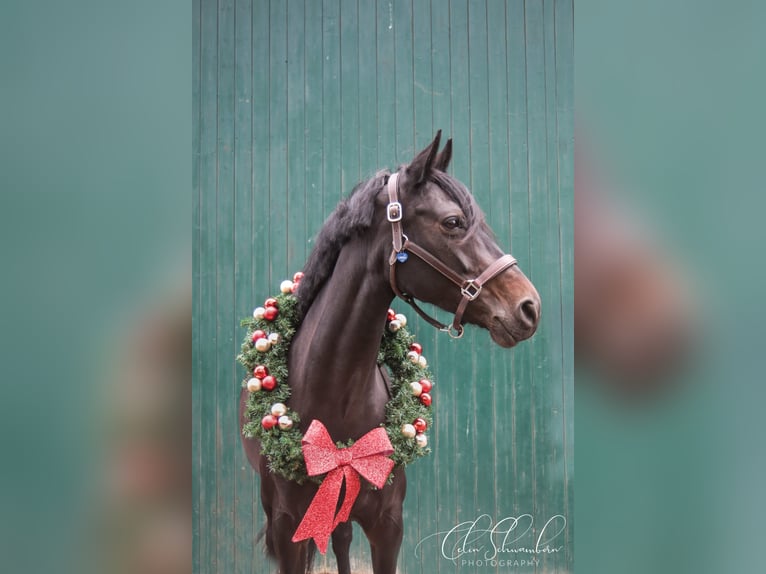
344	296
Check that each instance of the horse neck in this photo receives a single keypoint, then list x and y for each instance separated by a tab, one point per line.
333	359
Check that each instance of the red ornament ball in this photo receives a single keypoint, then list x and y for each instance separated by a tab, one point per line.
297	277
426	385
294	288
260	371
269	422
258	335
271	302
420	425
391	315
271	313
417	347
269	383
425	398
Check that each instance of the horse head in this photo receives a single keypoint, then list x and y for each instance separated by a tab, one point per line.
436	215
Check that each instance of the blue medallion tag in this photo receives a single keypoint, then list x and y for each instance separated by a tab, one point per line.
402	256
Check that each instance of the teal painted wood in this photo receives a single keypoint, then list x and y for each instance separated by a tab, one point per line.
294	102
196	305
245	492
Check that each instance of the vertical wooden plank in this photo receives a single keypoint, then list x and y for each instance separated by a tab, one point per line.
225	379
313	97
260	177
296	120
386	88
366	38
550	435
349	93
564	62
521	395
403	72
243	293
278	98
197	515
331	110
444	435
207	256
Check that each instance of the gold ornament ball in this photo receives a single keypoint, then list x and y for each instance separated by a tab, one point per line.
408	430
422	361
262	345
285	422
286	286
258	312
417	388
402	319
278	409
274	338
421	440
413	356
254	385
394	325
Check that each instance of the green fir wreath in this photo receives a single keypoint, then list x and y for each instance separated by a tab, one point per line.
270	420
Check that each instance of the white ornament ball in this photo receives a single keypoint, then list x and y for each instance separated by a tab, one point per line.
402	319
394	325
417	388
421	440
286	286
422	361
285	422
258	312
413	356
278	409
408	430
262	345
254	385
274	338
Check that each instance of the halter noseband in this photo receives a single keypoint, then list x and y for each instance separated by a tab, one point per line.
469	288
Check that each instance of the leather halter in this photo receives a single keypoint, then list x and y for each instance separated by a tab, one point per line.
469	288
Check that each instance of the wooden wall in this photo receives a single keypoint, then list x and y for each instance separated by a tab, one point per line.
297	100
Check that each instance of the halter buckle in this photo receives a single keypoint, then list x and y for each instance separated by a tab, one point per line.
470	290
394	211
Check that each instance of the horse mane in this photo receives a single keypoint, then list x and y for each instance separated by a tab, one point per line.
352	217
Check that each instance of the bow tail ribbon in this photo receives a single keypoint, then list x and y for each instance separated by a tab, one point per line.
368	457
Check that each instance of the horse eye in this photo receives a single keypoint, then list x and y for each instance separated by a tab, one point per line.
452	222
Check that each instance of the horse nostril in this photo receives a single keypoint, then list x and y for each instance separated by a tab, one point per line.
529	312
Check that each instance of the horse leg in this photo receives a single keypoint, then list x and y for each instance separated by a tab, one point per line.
385	538
292	557
341	543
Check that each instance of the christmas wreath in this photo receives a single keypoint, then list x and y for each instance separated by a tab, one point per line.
275	425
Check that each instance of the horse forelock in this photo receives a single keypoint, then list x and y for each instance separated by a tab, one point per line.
458	193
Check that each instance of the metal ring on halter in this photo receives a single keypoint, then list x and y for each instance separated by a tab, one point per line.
448	329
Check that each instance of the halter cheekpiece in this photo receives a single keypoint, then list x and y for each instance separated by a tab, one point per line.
402	246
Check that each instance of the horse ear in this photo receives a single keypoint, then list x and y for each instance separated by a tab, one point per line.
443	158
420	167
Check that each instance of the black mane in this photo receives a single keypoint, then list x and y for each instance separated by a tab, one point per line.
352	217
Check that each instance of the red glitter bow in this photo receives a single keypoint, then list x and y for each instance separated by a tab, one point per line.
368	456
